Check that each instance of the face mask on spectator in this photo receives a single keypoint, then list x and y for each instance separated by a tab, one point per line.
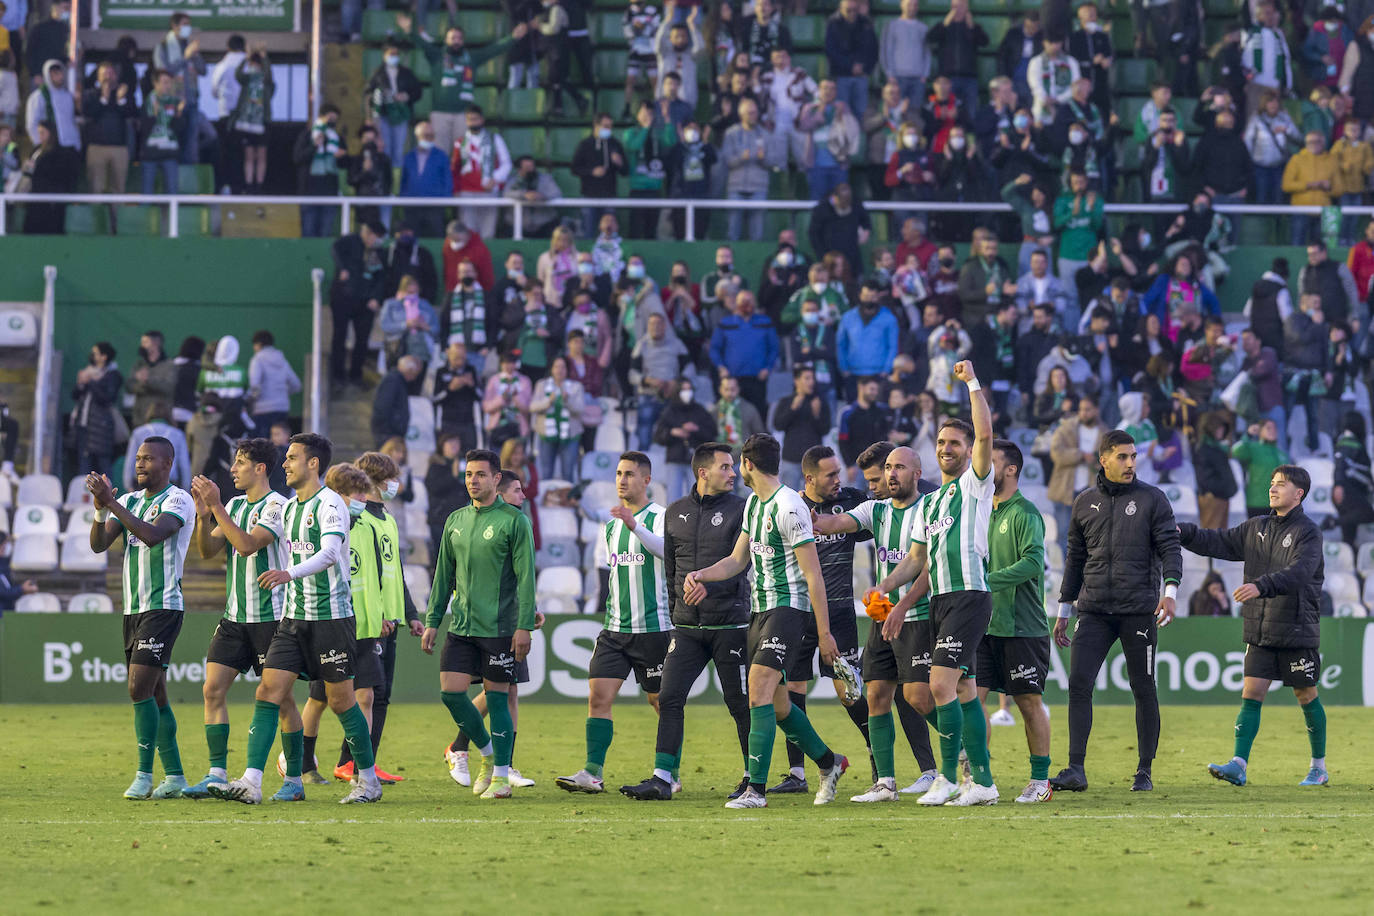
1093	26
946	263
811	319
724	267
956	143
584	307
818	287
425	144
393	60
467	279
1077	136
184	33
690	136
784	259
515	273
603	133
685	395
635	271
1145	240
585	268
355	507
1020	122
909	141
391	489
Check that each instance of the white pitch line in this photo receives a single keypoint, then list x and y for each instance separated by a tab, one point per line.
153	822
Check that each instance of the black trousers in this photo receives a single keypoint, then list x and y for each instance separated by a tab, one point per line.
381	696
360	319
688	654
755	391
1093	637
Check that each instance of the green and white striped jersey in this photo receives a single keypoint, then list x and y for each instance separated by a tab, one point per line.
954	529
326	595
246	602
891	528
776	527
152	574
637	597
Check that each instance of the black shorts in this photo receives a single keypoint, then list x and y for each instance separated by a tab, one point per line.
248	139
1014	665
150	636
241	646
958	622
844	627
905	660
485	657
775	638
1294	667
368	671
316	649
617	654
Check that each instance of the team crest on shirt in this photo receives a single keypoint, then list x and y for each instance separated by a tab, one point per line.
153	512
252	519
1288	541
489	533
768	525
1003	528
718	519
310	519
1130	508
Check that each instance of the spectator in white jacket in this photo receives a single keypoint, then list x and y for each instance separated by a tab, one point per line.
53	102
1051	75
223	85
481	166
271	382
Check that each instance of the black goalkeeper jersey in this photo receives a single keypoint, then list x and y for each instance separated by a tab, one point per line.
836	551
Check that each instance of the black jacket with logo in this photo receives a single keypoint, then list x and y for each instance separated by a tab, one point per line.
1122	537
1283	559
700	531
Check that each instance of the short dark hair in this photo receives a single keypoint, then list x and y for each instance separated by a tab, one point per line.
508	479
1012	451
875	454
1280	267
106	349
811	460
477	110
236	43
1295	475
257	451
317	447
1167	110
329	108
264	337
162	442
705	455
1319	244
763	451
1112	440
964	426
801	367
1045	307
155	335
492	459
638	458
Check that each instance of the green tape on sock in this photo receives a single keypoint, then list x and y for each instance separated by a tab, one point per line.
763	728
217	739
467	717
976	741
1247	726
262	733
949	725
882	735
358	736
502	729
1040	767
599	735
1315	714
145	732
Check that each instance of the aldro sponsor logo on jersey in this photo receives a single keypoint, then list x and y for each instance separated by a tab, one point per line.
939	527
301	546
627	558
892	555
760	549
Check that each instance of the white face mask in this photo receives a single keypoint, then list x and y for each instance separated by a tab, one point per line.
391	489
1077	136
184	33
818	287
956	142
685	395
909	141
355	507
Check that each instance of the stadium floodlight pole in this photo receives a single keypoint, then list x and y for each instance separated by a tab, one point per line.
316	350
45	358
73	39
316	17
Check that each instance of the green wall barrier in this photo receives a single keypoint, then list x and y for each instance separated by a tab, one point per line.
78	658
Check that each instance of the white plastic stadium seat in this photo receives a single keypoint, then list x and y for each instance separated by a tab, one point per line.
1349	609
417	583
420	433
1364	560
1319	502
599	465
38	603
4	520
34	553
18	328
78	557
557	523
1342	586
553	581
610	439
1321	470
1033	472
77	495
36	520
1051	526
1023	436
1369	592
90	603
598	496
1054	555
6	492
421	498
1237	504
559	604
1338	556
39	490
557	553
1183	499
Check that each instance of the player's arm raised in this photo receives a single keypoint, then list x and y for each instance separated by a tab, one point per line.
105	530
209	539
150	533
982	419
246	543
694	583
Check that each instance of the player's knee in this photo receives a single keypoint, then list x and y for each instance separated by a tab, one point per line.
653	701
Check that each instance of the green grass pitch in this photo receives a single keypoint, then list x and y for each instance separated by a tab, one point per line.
72	844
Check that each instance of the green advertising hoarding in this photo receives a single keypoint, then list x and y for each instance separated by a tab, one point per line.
210	15
78	658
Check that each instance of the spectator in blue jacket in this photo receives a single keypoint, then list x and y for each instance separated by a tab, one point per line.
867	341
1181	285
425	173
851	47
745	345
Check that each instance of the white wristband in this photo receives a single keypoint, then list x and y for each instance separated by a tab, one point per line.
101	515
1065	610
974	385
1171	591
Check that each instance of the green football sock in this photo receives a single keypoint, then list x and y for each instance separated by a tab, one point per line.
976	741
799	730
949	725
358	736
262	733
763	728
662	761
167	741
1247	726
293	745
145	732
1315	715
502	730
599	734
933	717
1040	767
467	717
217	737
882	733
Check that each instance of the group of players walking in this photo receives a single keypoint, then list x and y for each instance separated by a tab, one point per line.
758	587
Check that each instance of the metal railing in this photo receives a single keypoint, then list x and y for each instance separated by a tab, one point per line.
317	375
174	202
43	384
